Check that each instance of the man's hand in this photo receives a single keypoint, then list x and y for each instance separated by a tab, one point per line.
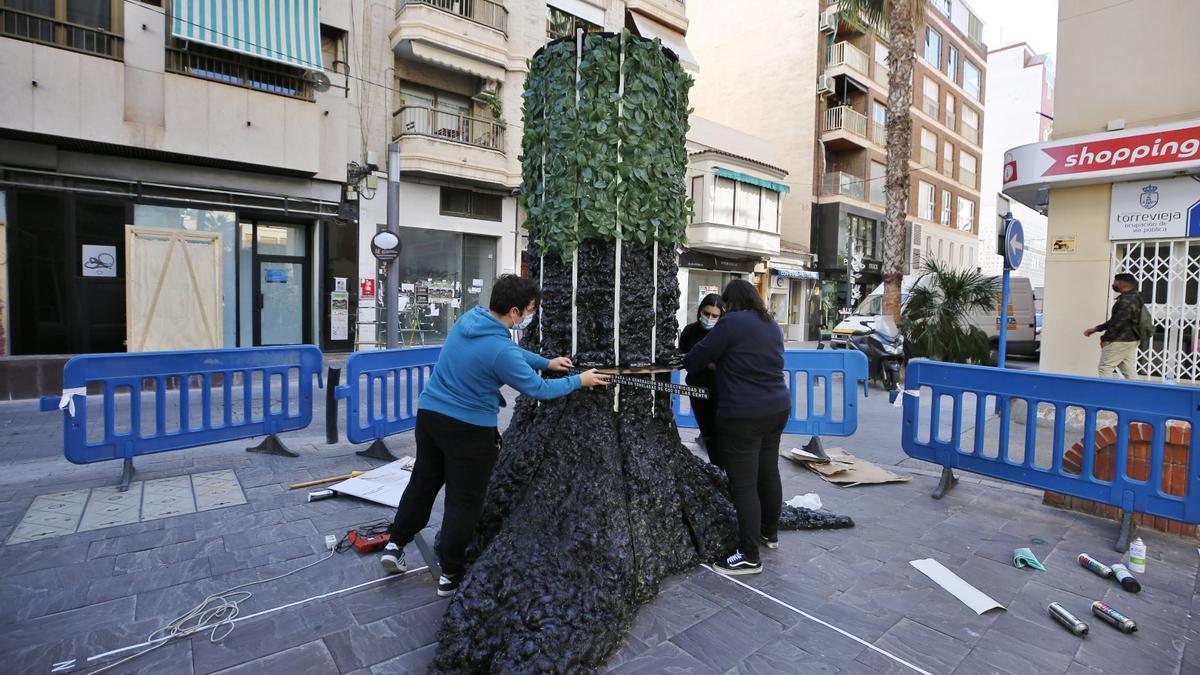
1089	332
591	378
561	364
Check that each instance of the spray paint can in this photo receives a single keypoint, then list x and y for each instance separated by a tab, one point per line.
1124	623
1061	615
1137	556
1127	581
318	495
1089	563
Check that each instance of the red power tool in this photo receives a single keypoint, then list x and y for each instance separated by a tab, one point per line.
367	543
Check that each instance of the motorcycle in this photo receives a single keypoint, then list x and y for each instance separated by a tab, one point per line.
884	349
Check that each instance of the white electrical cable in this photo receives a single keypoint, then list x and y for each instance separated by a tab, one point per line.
617	258
575	255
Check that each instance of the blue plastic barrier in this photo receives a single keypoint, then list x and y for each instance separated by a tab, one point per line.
381	390
931	385
126	378
808	372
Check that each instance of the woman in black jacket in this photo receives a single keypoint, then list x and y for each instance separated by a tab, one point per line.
753	407
710	311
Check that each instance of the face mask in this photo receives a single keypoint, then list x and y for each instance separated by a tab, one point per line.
707	323
524	322
1116	288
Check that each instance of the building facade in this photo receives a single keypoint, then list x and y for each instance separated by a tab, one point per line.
1020	109
1119	179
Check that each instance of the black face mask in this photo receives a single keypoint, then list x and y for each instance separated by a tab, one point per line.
1116	288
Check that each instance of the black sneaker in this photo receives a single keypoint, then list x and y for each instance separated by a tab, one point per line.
737	564
770	542
448	584
392	560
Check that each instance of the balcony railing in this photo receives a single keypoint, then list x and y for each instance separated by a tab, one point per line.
846	54
239	71
414	120
842	183
47	30
970	133
486	12
879	135
930	107
845	118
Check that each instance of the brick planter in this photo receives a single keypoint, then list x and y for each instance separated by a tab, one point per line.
1174	474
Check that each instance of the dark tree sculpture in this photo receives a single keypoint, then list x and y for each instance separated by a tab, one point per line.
594	500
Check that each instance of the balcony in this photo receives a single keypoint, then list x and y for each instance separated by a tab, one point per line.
465	36
731	239
444	143
840	183
844	128
46	30
239	71
844	57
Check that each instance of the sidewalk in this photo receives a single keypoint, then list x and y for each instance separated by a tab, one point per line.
103	589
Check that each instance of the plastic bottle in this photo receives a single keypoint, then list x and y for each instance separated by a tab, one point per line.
1137	556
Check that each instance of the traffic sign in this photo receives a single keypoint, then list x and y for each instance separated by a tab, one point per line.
1014	244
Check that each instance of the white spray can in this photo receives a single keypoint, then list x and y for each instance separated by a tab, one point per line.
1137	556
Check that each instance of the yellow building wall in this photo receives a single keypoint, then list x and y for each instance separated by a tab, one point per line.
1077	284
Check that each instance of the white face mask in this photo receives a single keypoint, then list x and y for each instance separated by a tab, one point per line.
524	322
708	323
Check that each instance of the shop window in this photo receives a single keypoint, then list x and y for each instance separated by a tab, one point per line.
864	233
468	204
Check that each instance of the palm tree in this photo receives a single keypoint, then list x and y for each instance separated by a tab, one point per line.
898	17
937	316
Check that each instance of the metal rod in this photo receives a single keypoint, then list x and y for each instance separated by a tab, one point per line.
391	290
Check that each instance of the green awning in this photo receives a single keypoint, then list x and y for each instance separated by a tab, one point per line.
751	180
287	31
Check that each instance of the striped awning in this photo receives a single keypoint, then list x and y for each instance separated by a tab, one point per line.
287	31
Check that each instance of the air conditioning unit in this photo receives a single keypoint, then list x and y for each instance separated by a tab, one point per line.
824	85
828	22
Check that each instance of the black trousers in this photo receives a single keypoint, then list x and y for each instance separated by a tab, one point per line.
460	456
750	456
705	411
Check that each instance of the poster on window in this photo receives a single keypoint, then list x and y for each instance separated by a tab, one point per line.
705	290
99	261
339	315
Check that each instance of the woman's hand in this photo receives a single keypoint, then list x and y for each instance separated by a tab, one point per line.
561	364
591	378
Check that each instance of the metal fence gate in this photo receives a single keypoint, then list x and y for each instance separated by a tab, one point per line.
1168	272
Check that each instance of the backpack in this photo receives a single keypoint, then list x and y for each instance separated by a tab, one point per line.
1144	328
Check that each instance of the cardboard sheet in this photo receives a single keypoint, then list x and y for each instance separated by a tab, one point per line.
383	485
845	469
969	595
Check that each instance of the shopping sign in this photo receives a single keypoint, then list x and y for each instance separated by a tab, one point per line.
1157	209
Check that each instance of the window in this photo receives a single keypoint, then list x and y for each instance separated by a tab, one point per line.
863	233
970	124
966	215
878	123
467	204
933	47
333	49
560	24
950	258
925	197
952	63
697	198
196	59
928	247
878	178
928	149
80	25
932	94
971	79
723	201
747	205
948	159
941	244
881	66
951	116
770	210
966	169
946	199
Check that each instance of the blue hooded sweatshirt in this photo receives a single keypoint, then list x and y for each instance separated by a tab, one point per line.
479	356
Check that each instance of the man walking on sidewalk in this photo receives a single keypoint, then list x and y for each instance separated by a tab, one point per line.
457	439
1119	343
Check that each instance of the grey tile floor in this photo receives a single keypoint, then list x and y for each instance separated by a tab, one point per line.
97	590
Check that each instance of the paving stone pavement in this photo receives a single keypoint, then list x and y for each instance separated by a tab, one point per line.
96	590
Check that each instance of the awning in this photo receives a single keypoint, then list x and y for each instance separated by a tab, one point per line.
788	273
751	180
449	60
671	39
287	31
580	9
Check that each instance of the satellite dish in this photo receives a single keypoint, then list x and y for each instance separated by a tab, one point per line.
319	80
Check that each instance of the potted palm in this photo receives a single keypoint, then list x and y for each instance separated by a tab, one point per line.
937	319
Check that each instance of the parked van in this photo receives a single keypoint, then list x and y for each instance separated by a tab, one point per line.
1022	320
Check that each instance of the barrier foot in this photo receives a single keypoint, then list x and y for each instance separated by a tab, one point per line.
816	448
1128	527
431	560
126	475
945	483
378	450
271	445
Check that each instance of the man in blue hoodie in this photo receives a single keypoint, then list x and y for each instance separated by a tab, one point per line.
457	439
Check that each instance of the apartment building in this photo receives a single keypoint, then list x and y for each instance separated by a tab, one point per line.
456	71
172	174
1020	109
1120	178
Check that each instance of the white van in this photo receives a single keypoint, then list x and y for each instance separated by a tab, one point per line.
1022	320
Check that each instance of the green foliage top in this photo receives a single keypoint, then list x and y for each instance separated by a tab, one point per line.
937	316
612	164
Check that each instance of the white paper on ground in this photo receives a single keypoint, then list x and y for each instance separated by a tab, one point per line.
810	500
383	485
969	595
